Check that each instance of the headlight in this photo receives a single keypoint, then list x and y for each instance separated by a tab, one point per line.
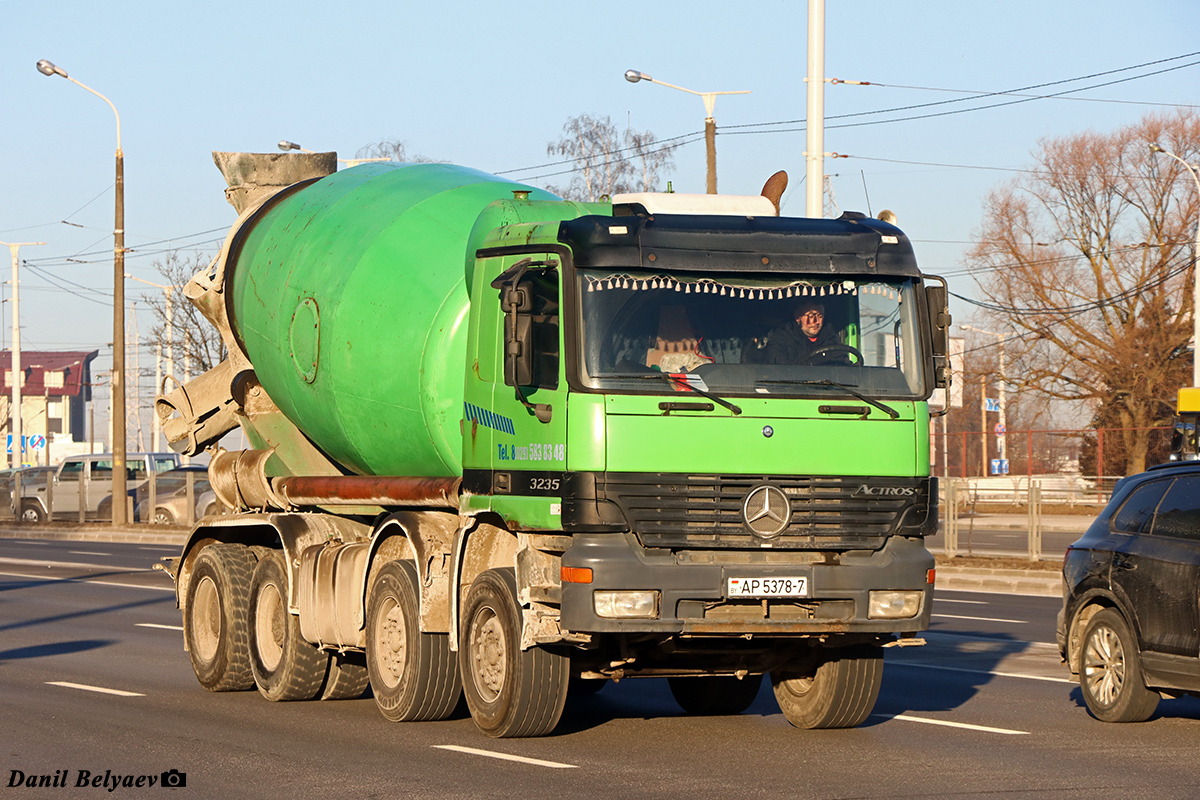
894	605
626	605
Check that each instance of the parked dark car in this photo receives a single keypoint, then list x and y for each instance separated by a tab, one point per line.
1129	627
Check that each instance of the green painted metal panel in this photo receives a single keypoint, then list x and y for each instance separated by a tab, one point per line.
371	263
800	442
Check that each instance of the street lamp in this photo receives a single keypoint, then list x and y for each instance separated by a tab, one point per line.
710	124
118	367
1001	445
1155	148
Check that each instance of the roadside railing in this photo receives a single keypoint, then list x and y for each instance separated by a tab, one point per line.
41	498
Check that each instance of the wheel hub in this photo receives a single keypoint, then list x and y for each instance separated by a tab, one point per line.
391	644
270	626
489	654
207	616
1104	665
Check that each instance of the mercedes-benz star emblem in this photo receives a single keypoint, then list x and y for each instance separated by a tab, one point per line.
767	511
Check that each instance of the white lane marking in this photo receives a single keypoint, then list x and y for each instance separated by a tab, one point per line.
35	562
82	580
87	553
948	724
537	762
1022	675
100	689
156	625
937	600
982	619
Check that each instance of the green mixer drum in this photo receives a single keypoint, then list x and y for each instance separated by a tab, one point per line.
348	296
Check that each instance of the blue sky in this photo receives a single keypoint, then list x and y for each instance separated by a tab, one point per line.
489	85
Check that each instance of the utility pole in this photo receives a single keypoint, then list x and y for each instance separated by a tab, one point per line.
1001	400
814	124
17	448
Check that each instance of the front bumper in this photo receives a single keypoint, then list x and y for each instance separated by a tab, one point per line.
693	598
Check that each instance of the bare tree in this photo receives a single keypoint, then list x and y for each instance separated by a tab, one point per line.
393	149
1087	257
196	344
607	162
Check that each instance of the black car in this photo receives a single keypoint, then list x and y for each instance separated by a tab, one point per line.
1130	623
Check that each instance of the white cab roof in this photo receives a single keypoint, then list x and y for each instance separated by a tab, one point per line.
722	204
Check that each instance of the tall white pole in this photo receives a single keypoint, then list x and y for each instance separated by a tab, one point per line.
1195	267
17	449
815	120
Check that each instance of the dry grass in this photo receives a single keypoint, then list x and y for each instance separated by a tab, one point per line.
989	562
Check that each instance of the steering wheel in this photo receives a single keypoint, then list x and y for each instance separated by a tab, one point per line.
822	354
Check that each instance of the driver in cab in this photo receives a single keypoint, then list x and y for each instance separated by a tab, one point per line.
797	342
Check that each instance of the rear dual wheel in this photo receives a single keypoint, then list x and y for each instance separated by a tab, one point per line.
285	666
215	617
717	695
414	675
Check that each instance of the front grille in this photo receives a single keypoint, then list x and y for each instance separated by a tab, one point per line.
705	511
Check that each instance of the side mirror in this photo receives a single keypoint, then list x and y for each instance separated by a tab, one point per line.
936	300
519	360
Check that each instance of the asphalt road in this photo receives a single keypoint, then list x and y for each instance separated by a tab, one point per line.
93	677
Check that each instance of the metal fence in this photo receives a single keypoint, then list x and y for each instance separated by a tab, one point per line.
35	495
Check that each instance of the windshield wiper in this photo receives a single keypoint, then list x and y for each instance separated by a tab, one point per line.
675	379
891	412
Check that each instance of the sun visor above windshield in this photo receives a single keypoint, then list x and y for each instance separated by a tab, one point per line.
746	244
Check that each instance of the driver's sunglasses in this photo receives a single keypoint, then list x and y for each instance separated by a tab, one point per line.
812	315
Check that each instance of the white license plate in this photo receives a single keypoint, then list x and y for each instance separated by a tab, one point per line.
768	587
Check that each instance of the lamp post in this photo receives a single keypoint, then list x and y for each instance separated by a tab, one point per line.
1001	446
1155	148
18	449
710	124
120	516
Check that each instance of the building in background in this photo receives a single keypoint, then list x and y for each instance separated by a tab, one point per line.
56	388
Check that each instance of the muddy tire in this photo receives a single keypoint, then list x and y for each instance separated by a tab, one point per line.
715	695
347	677
510	692
216	618
1110	671
286	667
836	688
414	675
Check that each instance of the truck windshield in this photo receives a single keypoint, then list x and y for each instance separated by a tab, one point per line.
792	336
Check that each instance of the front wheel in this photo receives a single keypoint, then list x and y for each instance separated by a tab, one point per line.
32	512
1110	673
834	689
286	667
511	692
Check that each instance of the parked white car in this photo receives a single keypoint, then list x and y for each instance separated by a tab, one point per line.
83	481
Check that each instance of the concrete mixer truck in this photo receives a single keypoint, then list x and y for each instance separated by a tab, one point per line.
510	447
